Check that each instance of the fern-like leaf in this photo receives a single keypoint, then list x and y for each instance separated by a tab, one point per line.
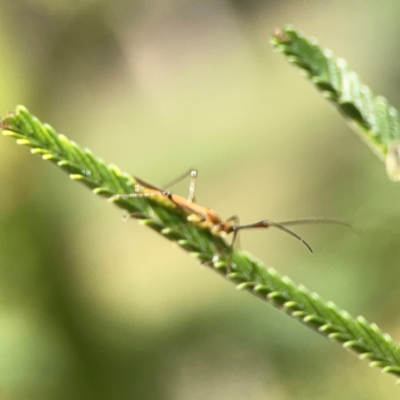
373	118
167	219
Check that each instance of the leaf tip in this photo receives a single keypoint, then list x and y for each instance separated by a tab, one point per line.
392	161
76	177
23	142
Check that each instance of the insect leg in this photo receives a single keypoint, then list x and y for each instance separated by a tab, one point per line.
192	185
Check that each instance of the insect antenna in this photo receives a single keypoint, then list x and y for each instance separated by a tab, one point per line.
310	221
267	224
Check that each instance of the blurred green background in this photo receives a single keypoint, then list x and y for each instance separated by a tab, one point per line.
95	308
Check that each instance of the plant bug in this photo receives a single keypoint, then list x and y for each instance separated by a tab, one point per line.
208	218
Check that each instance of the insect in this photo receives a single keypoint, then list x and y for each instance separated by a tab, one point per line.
208	218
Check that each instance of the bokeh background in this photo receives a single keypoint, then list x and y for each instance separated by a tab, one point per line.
95	308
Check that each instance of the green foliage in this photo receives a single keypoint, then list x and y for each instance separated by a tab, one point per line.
167	219
372	117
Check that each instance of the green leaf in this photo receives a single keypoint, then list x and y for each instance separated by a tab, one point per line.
171	221
373	118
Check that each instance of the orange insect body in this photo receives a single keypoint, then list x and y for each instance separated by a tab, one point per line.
205	216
